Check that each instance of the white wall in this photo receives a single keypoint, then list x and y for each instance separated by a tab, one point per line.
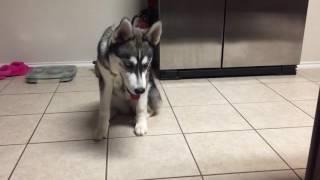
68	30
311	44
57	30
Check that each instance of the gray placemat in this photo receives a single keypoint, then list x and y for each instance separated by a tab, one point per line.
64	73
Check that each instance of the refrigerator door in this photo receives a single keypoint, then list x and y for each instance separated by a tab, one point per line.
192	34
263	33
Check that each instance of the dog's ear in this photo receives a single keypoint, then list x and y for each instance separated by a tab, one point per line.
154	33
123	32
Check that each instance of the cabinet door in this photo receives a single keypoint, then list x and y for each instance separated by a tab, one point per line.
192	34
263	32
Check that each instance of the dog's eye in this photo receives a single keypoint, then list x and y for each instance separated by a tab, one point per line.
145	66
128	65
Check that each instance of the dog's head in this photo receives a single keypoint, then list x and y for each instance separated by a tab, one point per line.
131	52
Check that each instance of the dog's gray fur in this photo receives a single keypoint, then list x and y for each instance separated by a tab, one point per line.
123	68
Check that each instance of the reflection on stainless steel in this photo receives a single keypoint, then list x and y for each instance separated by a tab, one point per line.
192	34
263	33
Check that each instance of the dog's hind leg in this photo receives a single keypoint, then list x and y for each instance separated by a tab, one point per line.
105	84
154	97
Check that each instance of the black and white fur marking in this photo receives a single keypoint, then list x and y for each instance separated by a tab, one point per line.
126	81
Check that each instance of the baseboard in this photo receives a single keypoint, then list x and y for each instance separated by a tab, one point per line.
76	63
227	72
309	64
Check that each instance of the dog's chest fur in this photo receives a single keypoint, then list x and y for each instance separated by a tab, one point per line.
121	100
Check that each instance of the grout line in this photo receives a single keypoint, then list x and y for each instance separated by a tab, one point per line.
73	140
184	136
171	177
60	141
26	93
273	101
249	172
266	85
4	145
15	94
217	174
77	91
151	135
107	154
304	100
295	127
5	86
169	134
16	164
47	113
258	133
301	178
69	112
20	114
296	75
307	78
300	169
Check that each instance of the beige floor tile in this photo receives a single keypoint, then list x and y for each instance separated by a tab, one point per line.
4	83
85	72
281	79
274	115
234	80
9	155
65	126
80	84
22	79
184	178
273	175
229	152
209	118
311	74
150	157
163	123
19	86
74	101
292	144
245	93
24	103
165	102
308	106
297	91
81	160
204	95
17	129
301	172
185	83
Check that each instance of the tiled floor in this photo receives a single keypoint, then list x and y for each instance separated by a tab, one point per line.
247	128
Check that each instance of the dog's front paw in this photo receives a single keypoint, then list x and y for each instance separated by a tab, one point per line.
141	129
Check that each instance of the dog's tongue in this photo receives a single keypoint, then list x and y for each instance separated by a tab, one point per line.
134	97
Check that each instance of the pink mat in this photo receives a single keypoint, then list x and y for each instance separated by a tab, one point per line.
16	68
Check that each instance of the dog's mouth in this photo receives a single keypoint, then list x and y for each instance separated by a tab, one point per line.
133	96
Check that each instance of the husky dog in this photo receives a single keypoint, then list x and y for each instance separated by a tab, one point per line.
126	81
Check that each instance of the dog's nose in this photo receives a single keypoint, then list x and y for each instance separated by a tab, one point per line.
139	90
